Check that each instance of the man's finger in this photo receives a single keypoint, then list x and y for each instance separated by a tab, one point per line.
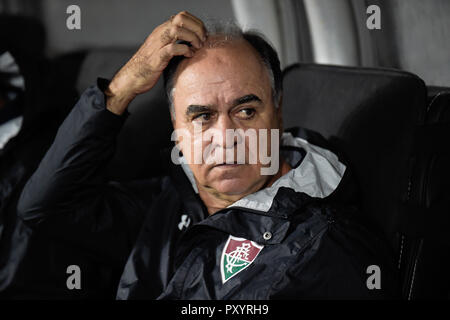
190	15
187	22
180	33
175	49
201	24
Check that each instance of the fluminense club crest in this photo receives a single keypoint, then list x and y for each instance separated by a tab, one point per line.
237	255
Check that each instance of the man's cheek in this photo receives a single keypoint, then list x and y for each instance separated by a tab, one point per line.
198	172
190	148
269	151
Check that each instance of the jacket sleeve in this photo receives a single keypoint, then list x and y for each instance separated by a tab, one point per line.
68	195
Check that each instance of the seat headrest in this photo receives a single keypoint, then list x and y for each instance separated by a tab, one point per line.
439	107
428	201
367	114
148	127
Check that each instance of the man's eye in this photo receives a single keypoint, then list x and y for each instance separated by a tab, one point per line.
246	113
203	117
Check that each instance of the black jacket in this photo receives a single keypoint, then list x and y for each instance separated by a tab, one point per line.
297	239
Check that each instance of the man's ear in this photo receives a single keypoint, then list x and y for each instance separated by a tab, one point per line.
280	113
172	117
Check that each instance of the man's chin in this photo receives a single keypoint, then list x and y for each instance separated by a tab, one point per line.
237	186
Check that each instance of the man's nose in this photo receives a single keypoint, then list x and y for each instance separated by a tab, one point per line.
224	135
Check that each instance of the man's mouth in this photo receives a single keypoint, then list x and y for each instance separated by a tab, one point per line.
227	165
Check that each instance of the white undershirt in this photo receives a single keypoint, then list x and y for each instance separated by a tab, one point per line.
9	129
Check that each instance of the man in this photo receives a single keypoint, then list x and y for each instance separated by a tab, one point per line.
218	226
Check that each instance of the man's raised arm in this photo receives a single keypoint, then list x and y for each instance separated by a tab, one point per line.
143	70
70	174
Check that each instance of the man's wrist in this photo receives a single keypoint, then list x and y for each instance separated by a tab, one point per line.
118	97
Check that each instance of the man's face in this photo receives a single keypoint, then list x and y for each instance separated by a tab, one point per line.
225	87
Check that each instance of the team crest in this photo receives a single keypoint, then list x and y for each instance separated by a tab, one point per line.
237	255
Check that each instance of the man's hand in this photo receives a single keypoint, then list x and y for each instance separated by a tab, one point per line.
143	70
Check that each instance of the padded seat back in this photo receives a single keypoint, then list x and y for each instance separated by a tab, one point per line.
428	205
369	115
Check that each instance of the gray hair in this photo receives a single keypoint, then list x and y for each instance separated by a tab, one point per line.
230	31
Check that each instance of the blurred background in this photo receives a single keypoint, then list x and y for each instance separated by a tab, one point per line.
321	31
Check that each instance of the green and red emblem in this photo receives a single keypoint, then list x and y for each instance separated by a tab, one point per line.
237	255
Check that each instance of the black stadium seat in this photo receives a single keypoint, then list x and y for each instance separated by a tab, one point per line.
428	204
370	116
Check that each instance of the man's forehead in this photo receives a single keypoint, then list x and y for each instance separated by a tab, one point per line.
225	73
226	93
236	57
